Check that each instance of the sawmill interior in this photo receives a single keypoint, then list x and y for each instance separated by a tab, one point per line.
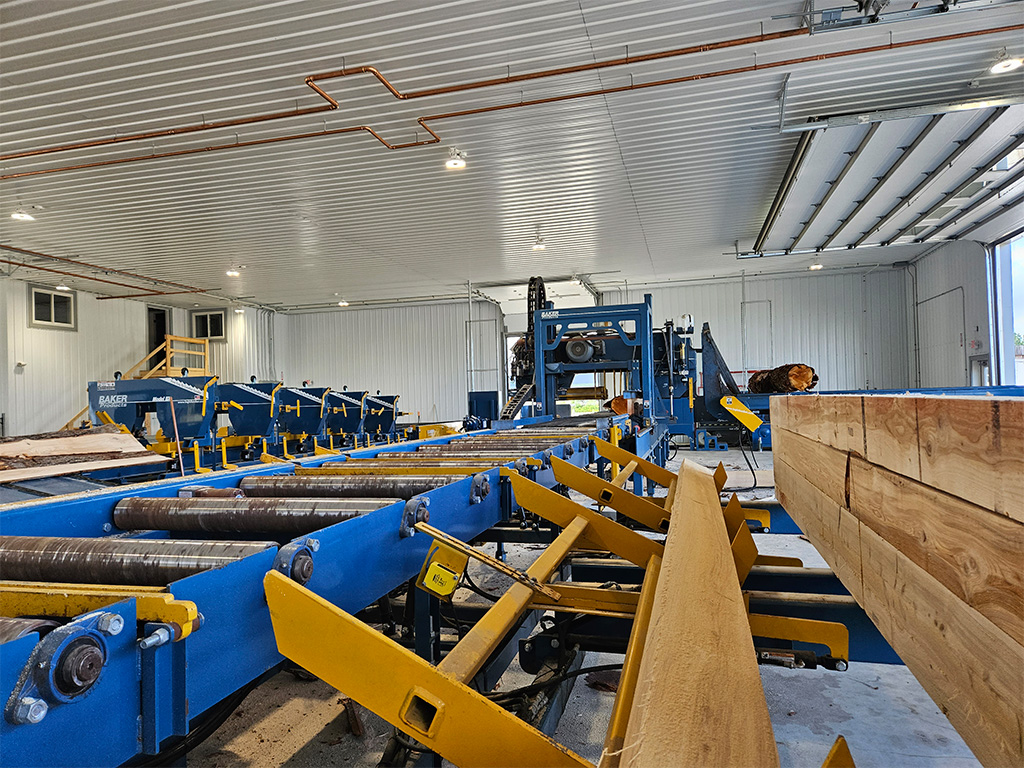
593	383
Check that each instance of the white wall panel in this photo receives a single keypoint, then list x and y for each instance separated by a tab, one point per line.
418	352
851	327
951	313
51	387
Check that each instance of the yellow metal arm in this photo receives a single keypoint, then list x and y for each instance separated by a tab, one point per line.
611	495
433	707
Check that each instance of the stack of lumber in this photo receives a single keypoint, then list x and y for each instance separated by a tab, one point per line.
917	503
70	451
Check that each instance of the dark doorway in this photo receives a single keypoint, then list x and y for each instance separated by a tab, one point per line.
157	322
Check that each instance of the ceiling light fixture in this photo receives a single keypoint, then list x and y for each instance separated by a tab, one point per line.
576	280
239	311
456	159
538	244
342	303
232	272
21	215
63	287
1006	64
816	266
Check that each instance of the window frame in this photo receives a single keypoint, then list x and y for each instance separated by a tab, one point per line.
52	325
207	313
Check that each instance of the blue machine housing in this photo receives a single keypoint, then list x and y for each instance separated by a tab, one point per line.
380	412
345	413
259	408
302	411
128	401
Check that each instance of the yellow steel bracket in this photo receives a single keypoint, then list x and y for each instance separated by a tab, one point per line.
198	459
319	450
269	458
224	456
828	633
650	470
741	541
739	411
513	573
625	473
601	532
104	417
721	477
609	495
595	601
839	756
284	445
436	709
28	598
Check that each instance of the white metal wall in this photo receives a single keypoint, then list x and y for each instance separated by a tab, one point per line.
418	352
851	327
951	315
51	387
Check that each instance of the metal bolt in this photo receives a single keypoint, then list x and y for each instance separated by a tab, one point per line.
313	544
110	624
841	666
528	647
30	710
107	527
554	643
158	638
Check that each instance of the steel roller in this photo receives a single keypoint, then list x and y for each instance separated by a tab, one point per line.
14	629
142	562
290	517
347	486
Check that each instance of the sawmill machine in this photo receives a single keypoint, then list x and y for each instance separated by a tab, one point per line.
252	411
185	407
302	418
344	418
380	414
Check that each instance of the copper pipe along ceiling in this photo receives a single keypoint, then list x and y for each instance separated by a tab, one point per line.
147	292
332	104
38	255
435	138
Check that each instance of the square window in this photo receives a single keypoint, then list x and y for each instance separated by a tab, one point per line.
52	309
208	325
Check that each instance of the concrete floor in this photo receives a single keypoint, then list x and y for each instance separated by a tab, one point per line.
883	712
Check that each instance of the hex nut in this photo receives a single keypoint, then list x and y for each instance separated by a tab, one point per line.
30	710
110	624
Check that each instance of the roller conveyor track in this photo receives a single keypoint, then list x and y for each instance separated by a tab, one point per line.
291	517
142	562
353	486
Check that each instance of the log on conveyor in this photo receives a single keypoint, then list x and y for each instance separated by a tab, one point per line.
792	377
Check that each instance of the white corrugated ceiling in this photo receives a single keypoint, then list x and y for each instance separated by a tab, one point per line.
645	184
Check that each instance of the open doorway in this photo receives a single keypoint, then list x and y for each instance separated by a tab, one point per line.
158	325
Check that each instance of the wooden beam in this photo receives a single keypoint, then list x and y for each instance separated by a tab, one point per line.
921	521
698	700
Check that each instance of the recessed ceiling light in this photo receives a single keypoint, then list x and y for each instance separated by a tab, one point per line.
456	159
239	311
538	244
1006	65
816	266
232	272
63	287
342	303
21	215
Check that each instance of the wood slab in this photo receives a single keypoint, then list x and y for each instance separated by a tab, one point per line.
698	700
71	451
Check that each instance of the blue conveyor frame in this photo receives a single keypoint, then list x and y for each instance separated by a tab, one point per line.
144	698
